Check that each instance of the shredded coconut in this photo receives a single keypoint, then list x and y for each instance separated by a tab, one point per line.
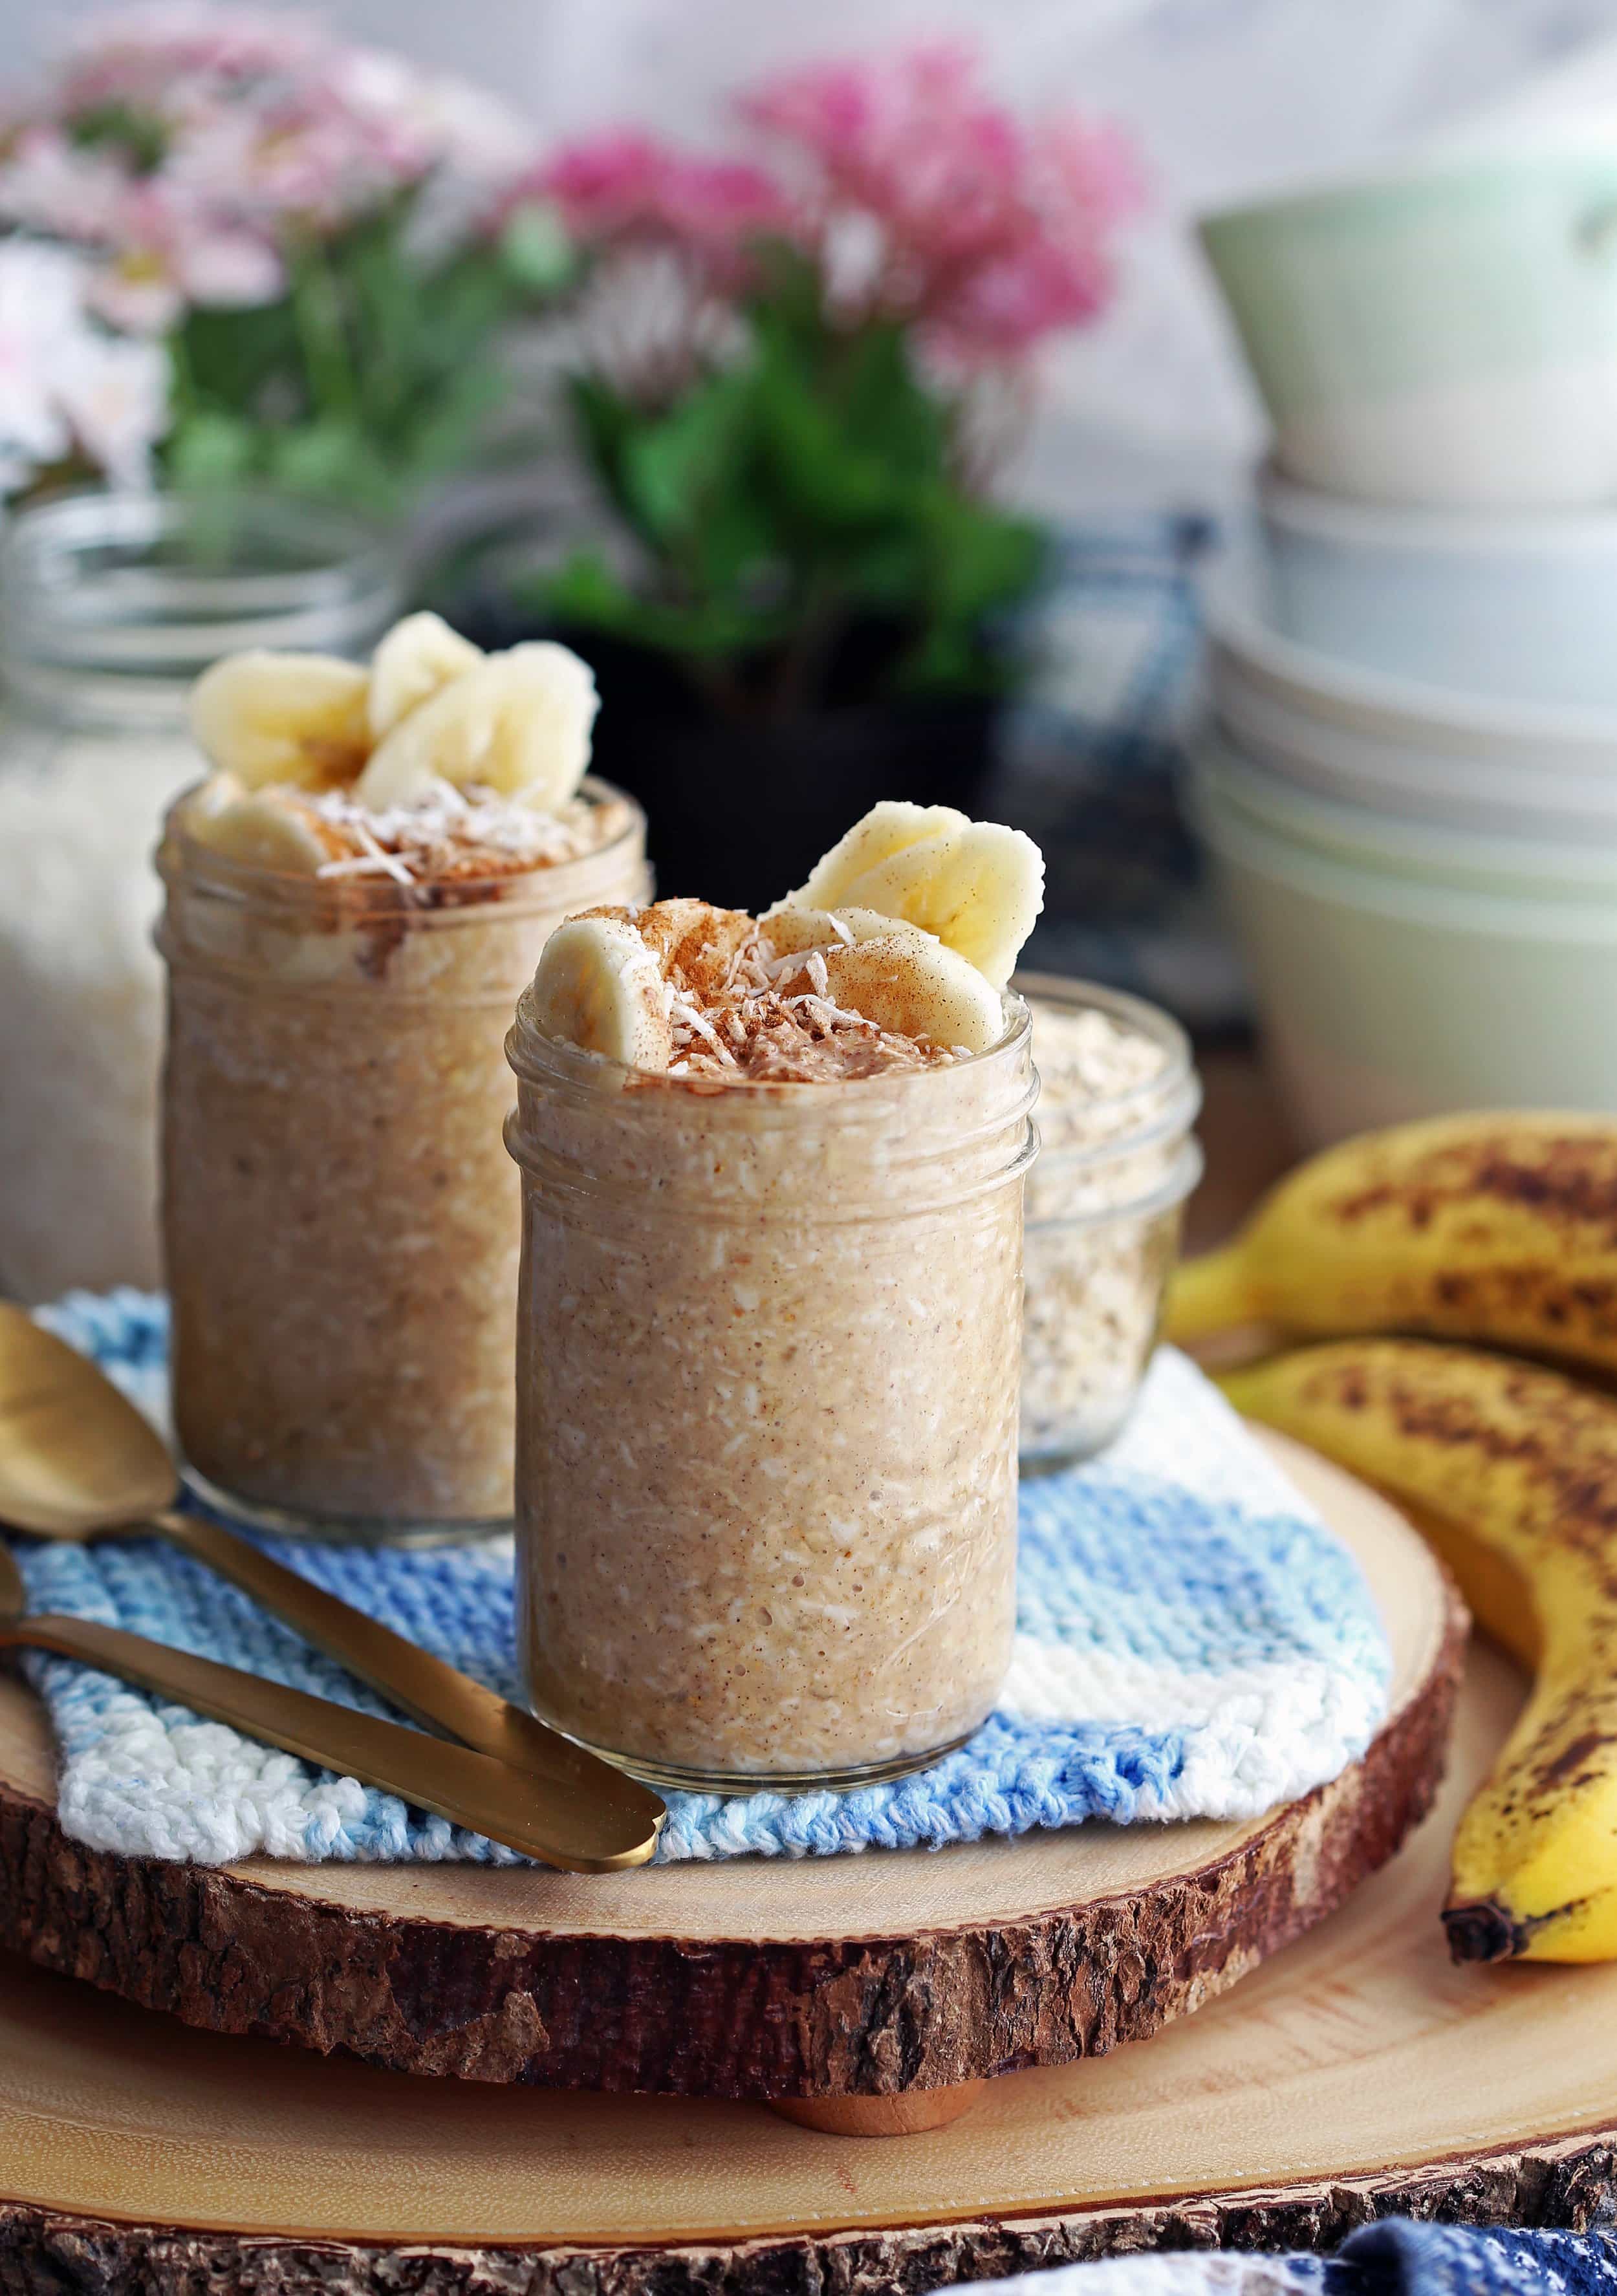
453	832
743	1009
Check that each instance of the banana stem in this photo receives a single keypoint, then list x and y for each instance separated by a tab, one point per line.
1210	1295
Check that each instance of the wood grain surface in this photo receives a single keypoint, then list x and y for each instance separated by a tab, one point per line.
1356	2070
856	1977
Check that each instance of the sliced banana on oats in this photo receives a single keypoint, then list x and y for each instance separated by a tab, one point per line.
268	829
517	723
600	986
418	657
976	885
295	719
911	984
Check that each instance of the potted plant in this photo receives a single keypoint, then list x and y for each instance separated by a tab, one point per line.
272	251
788	385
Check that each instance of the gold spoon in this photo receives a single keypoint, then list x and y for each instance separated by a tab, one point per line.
78	1461
468	1789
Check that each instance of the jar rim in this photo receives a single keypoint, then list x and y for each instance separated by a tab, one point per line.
1180	1178
537	1058
154	586
350	898
1067	992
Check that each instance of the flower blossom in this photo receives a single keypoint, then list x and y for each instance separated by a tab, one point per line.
182	143
67	387
987	235
629	190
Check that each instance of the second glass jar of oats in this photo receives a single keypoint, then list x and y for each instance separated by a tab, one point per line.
341	1224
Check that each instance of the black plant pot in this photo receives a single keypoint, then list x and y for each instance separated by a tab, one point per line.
741	808
740	814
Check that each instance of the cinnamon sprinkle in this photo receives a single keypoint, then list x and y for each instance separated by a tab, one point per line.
744	1011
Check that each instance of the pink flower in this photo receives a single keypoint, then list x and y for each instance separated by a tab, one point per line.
628	190
986	234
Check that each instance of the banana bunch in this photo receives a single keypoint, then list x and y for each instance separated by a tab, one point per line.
916	917
1512	1470
1501	1228
282	728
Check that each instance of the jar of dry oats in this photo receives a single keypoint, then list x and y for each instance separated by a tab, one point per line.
1118	1098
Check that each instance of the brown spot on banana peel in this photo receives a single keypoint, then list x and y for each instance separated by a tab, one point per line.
1498	1229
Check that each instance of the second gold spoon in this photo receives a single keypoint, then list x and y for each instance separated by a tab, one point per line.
78	1461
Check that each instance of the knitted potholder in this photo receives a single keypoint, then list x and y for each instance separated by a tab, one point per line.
1192	1642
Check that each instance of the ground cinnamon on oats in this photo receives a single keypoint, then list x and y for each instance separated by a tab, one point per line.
741	1010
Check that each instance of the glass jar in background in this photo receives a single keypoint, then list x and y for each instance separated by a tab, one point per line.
767	1354
110	606
342	1223
1118	1096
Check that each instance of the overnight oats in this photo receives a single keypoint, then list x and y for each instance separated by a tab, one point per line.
355	898
771	1316
1118	1097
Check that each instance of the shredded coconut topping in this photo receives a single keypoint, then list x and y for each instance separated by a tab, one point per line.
454	833
743	1010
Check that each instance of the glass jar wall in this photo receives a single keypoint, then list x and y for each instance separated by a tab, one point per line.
110	605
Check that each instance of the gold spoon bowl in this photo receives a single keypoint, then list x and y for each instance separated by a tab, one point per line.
78	1462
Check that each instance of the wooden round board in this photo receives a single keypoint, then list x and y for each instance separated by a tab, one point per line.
1358	2071
838	1981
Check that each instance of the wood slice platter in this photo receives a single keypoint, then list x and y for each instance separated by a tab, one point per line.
1358	2071
832	1982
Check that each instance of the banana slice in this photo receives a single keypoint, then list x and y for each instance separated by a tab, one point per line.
911	983
600	986
517	723
296	719
885	830
268	829
976	885
416	658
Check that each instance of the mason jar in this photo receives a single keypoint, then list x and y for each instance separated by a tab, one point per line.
110	605
767	1344
342	1223
1119	1095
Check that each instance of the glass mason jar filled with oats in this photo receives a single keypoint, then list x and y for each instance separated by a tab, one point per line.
110	605
342	1223
767	1352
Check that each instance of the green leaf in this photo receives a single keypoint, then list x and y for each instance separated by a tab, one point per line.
210	449
535	249
673	464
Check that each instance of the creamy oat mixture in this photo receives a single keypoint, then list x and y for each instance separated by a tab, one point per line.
1096	1270
768	1350
342	1223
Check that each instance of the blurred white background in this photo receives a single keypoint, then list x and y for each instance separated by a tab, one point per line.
1225	97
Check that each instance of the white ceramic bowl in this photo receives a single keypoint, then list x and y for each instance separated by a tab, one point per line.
1421	750
1444	336
1401	969
1514	605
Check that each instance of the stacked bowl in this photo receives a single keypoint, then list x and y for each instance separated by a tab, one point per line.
1409	781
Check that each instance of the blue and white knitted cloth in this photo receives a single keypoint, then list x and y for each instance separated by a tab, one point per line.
1192	1643
1395	2258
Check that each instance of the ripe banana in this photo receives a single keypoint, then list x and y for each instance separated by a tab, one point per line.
268	829
1513	1471
600	986
294	718
1498	1227
418	657
517	723
974	885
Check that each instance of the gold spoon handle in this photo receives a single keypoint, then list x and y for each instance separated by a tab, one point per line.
469	1789
411	1677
